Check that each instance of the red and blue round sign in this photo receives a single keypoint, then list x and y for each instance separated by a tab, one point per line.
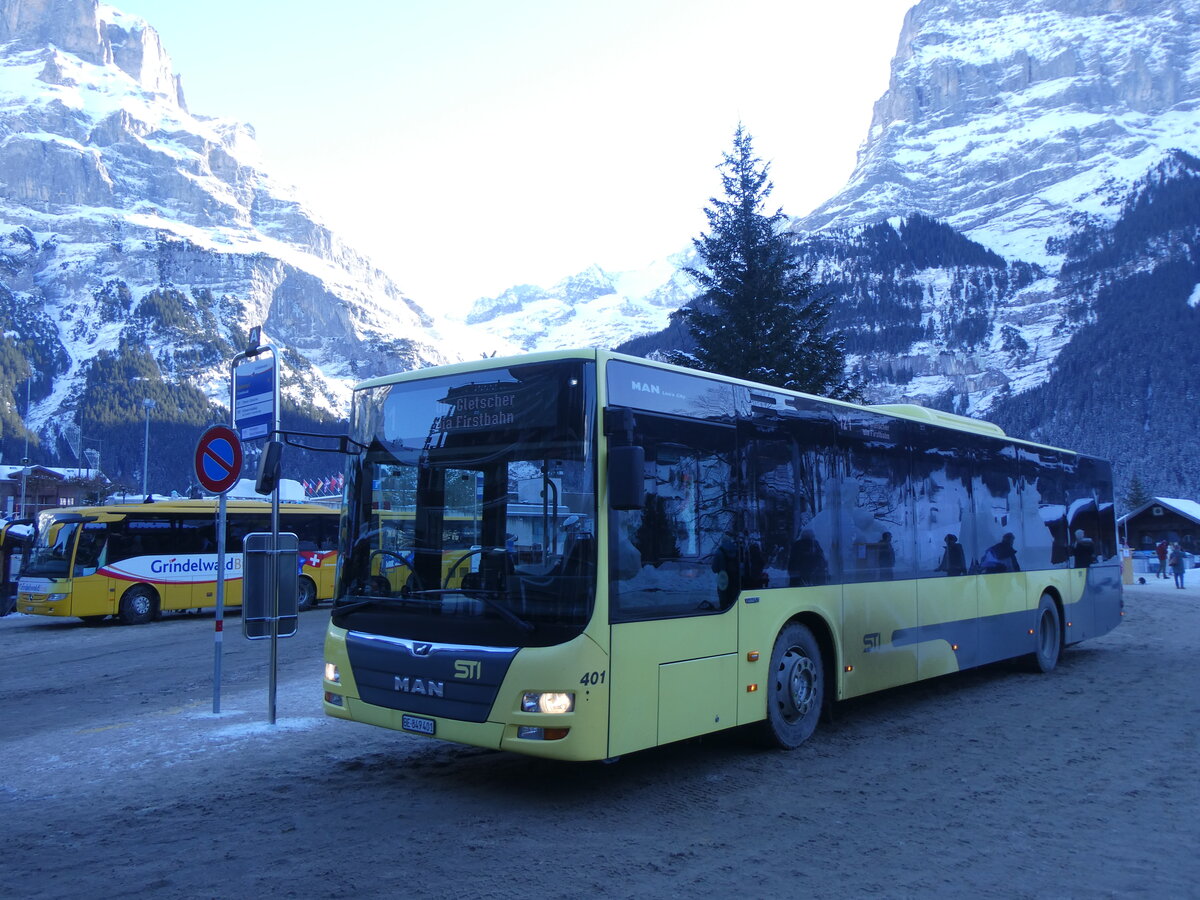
218	459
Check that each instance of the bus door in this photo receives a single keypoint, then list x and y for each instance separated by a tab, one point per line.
880	618
944	468
91	594
1002	593
674	634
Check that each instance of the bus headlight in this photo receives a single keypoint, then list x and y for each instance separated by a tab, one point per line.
332	673
54	598
553	702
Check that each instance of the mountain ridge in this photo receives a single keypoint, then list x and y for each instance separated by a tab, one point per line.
112	193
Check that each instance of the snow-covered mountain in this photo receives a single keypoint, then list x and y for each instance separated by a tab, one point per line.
1011	120
593	308
127	221
1022	125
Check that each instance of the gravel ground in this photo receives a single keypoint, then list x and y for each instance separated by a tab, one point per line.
119	781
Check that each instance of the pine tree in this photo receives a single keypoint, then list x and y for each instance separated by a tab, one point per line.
1136	494
759	316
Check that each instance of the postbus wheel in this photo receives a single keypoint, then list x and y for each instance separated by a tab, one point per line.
1047	636
795	688
139	605
307	593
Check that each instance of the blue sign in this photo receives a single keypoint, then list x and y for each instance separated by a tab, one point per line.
254	398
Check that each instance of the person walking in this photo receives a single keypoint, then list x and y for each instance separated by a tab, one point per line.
1002	556
886	554
806	562
1083	550
1175	561
954	561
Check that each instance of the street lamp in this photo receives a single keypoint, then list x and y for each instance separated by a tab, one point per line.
149	404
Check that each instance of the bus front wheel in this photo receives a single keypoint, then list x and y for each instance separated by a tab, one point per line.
307	598
795	688
138	606
1047	636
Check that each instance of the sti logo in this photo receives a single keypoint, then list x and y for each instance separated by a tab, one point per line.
871	642
468	668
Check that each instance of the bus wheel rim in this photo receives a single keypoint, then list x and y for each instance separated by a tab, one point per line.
799	684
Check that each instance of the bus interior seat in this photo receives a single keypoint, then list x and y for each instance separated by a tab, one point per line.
558	587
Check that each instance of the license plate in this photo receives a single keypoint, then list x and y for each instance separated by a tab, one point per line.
418	724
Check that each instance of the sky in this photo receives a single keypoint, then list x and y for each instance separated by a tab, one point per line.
467	146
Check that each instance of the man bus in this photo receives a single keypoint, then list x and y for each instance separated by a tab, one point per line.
685	598
137	561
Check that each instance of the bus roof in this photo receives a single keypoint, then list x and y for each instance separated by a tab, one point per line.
911	411
193	506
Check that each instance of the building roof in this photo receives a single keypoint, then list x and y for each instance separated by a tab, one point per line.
1189	509
13	473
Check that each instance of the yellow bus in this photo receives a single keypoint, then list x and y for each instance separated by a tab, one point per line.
697	553
136	561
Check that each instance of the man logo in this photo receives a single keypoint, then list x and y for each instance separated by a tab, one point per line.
408	685
420	649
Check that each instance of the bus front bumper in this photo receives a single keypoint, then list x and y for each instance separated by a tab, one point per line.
44	604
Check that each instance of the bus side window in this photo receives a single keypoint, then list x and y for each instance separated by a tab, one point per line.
306	528
677	536
90	551
878	537
195	535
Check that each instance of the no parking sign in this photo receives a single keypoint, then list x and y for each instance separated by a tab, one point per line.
218	459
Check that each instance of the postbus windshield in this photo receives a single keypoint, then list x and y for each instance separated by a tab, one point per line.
471	509
50	556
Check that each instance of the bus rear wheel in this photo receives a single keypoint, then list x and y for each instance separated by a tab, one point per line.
1047	636
795	688
307	594
139	605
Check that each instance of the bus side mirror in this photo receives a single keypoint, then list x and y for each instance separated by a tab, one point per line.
626	477
626	461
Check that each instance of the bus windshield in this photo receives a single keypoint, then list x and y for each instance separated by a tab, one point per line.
50	556
471	509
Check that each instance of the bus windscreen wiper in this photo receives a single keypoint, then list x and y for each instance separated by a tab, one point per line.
426	596
482	595
366	601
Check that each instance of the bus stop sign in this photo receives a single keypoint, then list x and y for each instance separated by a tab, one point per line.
218	459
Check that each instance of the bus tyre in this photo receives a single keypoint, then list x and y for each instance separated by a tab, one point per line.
1047	636
795	688
307	593
138	605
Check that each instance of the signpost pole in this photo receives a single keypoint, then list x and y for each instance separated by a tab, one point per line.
219	632
274	562
218	462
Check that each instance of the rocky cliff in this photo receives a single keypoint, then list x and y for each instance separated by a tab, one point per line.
129	224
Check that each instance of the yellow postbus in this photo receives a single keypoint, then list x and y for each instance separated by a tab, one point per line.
136	561
657	553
